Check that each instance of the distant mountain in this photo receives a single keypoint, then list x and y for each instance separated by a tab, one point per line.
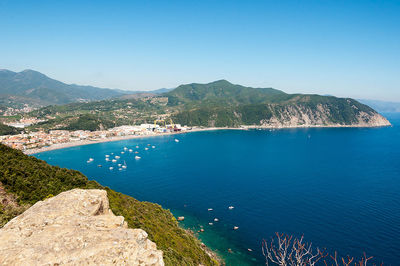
382	106
142	94
34	88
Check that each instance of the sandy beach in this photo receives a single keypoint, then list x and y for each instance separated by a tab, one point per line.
88	142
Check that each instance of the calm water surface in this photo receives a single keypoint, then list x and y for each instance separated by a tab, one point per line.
339	187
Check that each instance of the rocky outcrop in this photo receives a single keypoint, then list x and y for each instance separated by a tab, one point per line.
75	228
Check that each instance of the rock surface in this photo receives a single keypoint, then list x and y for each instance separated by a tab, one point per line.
75	228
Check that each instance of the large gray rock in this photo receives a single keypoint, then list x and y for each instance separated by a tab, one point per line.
76	228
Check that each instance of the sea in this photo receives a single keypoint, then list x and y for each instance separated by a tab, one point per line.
337	187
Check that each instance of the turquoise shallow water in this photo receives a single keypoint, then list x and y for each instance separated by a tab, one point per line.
340	187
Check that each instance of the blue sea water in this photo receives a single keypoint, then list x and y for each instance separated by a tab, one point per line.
339	187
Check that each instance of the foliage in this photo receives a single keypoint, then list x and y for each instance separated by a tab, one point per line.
31	180
7	130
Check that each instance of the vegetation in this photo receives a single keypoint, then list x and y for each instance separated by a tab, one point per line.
218	104
286	250
7	130
29	180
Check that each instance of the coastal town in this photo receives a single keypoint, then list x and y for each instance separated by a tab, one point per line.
62	138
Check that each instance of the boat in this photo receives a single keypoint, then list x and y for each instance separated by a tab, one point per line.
210	223
90	160
235	227
122	152
119	165
111	168
153	147
99	165
136	152
137	157
107	159
125	148
181	218
176	140
137	147
107	155
146	149
210	209
114	161
124	165
148	144
117	157
216	220
120	169
231	207
130	150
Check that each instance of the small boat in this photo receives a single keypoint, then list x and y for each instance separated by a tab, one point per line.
210	223
249	250
146	149
107	159
111	168
148	144
117	157
99	165
181	218
130	150
137	157
124	165
113	160
176	140
119	165
120	169
107	155
112	153
231	207
216	220
137	147
122	152
125	148
136	152
235	227
210	209
90	160
202	230
153	147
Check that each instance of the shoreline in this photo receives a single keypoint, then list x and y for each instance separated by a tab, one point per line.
59	146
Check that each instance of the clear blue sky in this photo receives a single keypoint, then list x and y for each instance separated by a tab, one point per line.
338	47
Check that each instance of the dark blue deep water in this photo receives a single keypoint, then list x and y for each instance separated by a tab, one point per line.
340	187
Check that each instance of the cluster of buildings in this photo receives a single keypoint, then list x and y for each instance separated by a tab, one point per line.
34	140
24	122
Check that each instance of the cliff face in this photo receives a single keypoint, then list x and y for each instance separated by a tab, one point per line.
322	115
76	227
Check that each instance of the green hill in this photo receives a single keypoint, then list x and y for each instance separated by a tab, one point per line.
26	180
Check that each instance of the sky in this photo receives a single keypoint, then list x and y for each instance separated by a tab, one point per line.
344	48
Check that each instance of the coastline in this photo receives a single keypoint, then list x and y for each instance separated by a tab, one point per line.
89	142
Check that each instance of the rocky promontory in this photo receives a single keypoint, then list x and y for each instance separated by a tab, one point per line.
76	227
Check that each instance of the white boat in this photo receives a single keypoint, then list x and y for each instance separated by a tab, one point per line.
210	209
176	140
130	150
231	207
107	155
111	168
124	165
91	159
120	169
122	152
88	161
235	227
117	157
137	157
114	161
107	159
146	149
119	165
210	223
137	147
216	220
125	148
153	147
